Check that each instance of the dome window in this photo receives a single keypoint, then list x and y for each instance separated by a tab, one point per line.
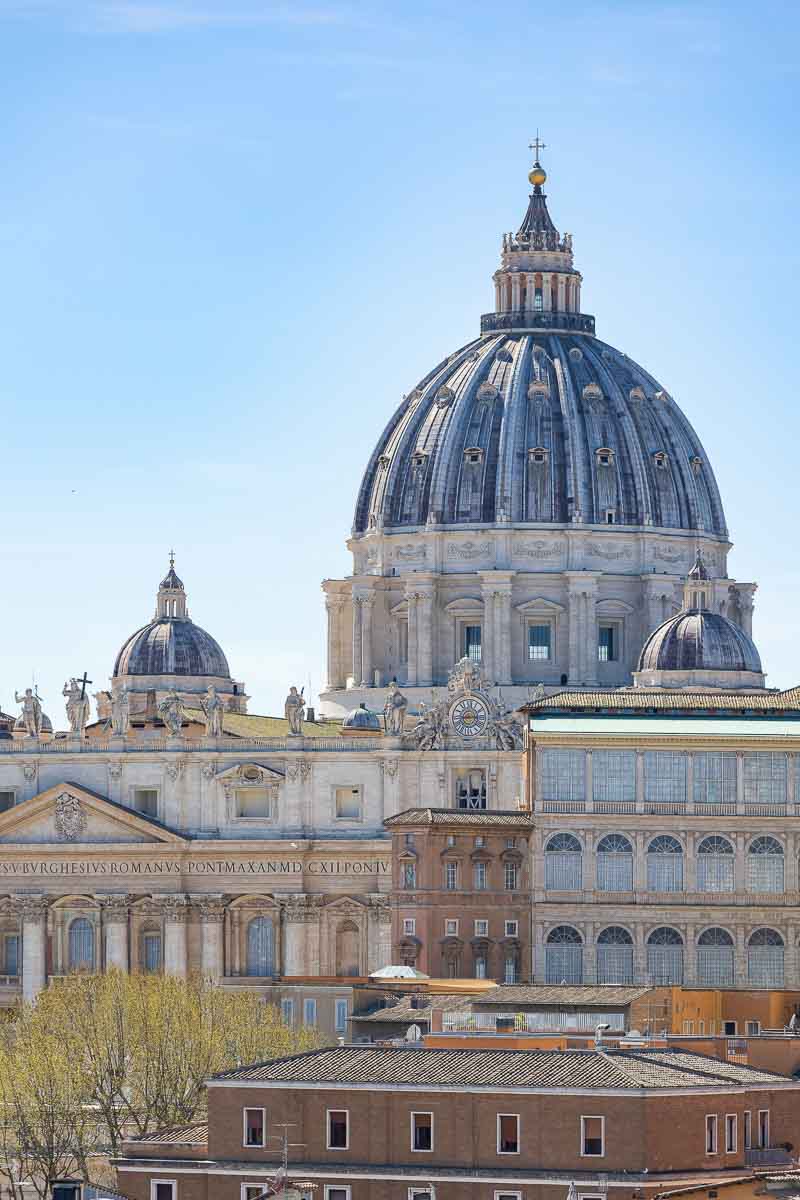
418	459
661	461
575	354
605	457
696	463
538	454
504	356
539	388
473	454
487	391
383	462
636	395
444	396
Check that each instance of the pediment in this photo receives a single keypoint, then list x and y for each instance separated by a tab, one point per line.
69	815
250	774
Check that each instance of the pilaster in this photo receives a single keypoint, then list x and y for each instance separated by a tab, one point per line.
33	911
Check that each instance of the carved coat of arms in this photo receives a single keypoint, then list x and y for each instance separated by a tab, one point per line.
70	817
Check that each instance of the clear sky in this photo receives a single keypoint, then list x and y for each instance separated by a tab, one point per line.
233	233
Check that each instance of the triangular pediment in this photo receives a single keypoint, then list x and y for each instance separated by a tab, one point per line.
250	773
70	815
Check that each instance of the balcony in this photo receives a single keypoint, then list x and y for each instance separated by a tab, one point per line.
527	319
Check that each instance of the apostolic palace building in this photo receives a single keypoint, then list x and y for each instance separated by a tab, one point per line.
545	750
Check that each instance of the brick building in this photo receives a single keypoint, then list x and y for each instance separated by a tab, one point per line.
370	1123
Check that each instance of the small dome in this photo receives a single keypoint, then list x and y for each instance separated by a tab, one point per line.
362	719
47	724
699	641
171	647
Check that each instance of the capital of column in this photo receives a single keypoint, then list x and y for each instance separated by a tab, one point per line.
32	908
300	909
114	909
174	909
212	911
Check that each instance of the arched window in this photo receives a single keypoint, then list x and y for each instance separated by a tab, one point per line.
347	948
715	959
715	865
563	860
151	950
614	864
259	947
765	865
81	945
765	959
563	956
615	956
665	864
665	957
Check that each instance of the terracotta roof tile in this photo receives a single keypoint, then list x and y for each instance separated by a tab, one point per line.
180	1135
458	816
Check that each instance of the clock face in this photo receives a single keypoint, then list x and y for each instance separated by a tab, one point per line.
469	716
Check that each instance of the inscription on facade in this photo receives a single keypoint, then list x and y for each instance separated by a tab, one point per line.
216	866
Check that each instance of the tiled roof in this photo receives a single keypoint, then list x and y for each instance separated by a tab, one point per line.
403	1013
458	816
252	725
531	1069
180	1135
661	699
593	997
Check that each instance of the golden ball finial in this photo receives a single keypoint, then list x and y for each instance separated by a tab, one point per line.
537	175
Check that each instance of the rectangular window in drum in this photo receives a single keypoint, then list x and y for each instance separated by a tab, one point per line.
563	775
714	778
664	777
472	642
614	775
539	642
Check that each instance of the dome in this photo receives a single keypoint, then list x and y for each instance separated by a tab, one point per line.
171	646
699	641
539	426
47	724
363	720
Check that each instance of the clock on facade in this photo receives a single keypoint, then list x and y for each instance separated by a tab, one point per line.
469	716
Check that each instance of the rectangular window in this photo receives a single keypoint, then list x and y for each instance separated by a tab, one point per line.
420	1194
482	928
409	875
66	1191
765	777
255	1127
510	877
341	1016
254	1191
11	954
470	790
480	967
348	803
607	643
254	802
730	1133
287	1010
409	925
472	642
422	1131
563	775
479	877
145	800
7	799
333	1192
512	928
409	840
593	1137
711	1135
752	1028
510	972
338	1129
309	1011
748	1131
538	301
163	1189
508	1196
714	778
763	1129
451	928
451	876
614	775
539	643
151	952
664	777
507	1133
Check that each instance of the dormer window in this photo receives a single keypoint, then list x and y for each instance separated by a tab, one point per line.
473	454
660	460
696	463
611	516
383	461
605	457
538	454
418	458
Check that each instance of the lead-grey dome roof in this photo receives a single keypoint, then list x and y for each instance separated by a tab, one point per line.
699	641
171	646
539	427
362	718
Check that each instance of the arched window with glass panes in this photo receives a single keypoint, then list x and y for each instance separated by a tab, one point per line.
715	865
665	957
765	953
563	859
615	956
259	947
715	959
563	956
614	864
81	945
765	865
665	864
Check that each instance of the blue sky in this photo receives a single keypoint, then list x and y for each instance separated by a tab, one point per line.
232	235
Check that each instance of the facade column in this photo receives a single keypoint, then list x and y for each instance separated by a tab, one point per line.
356	639
425	620
176	916
294	915
379	934
366	602
33	910
212	918
530	292
515	291
497	300
573	614
115	916
413	639
334	605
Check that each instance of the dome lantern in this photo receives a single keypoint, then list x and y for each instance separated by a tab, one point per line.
171	598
